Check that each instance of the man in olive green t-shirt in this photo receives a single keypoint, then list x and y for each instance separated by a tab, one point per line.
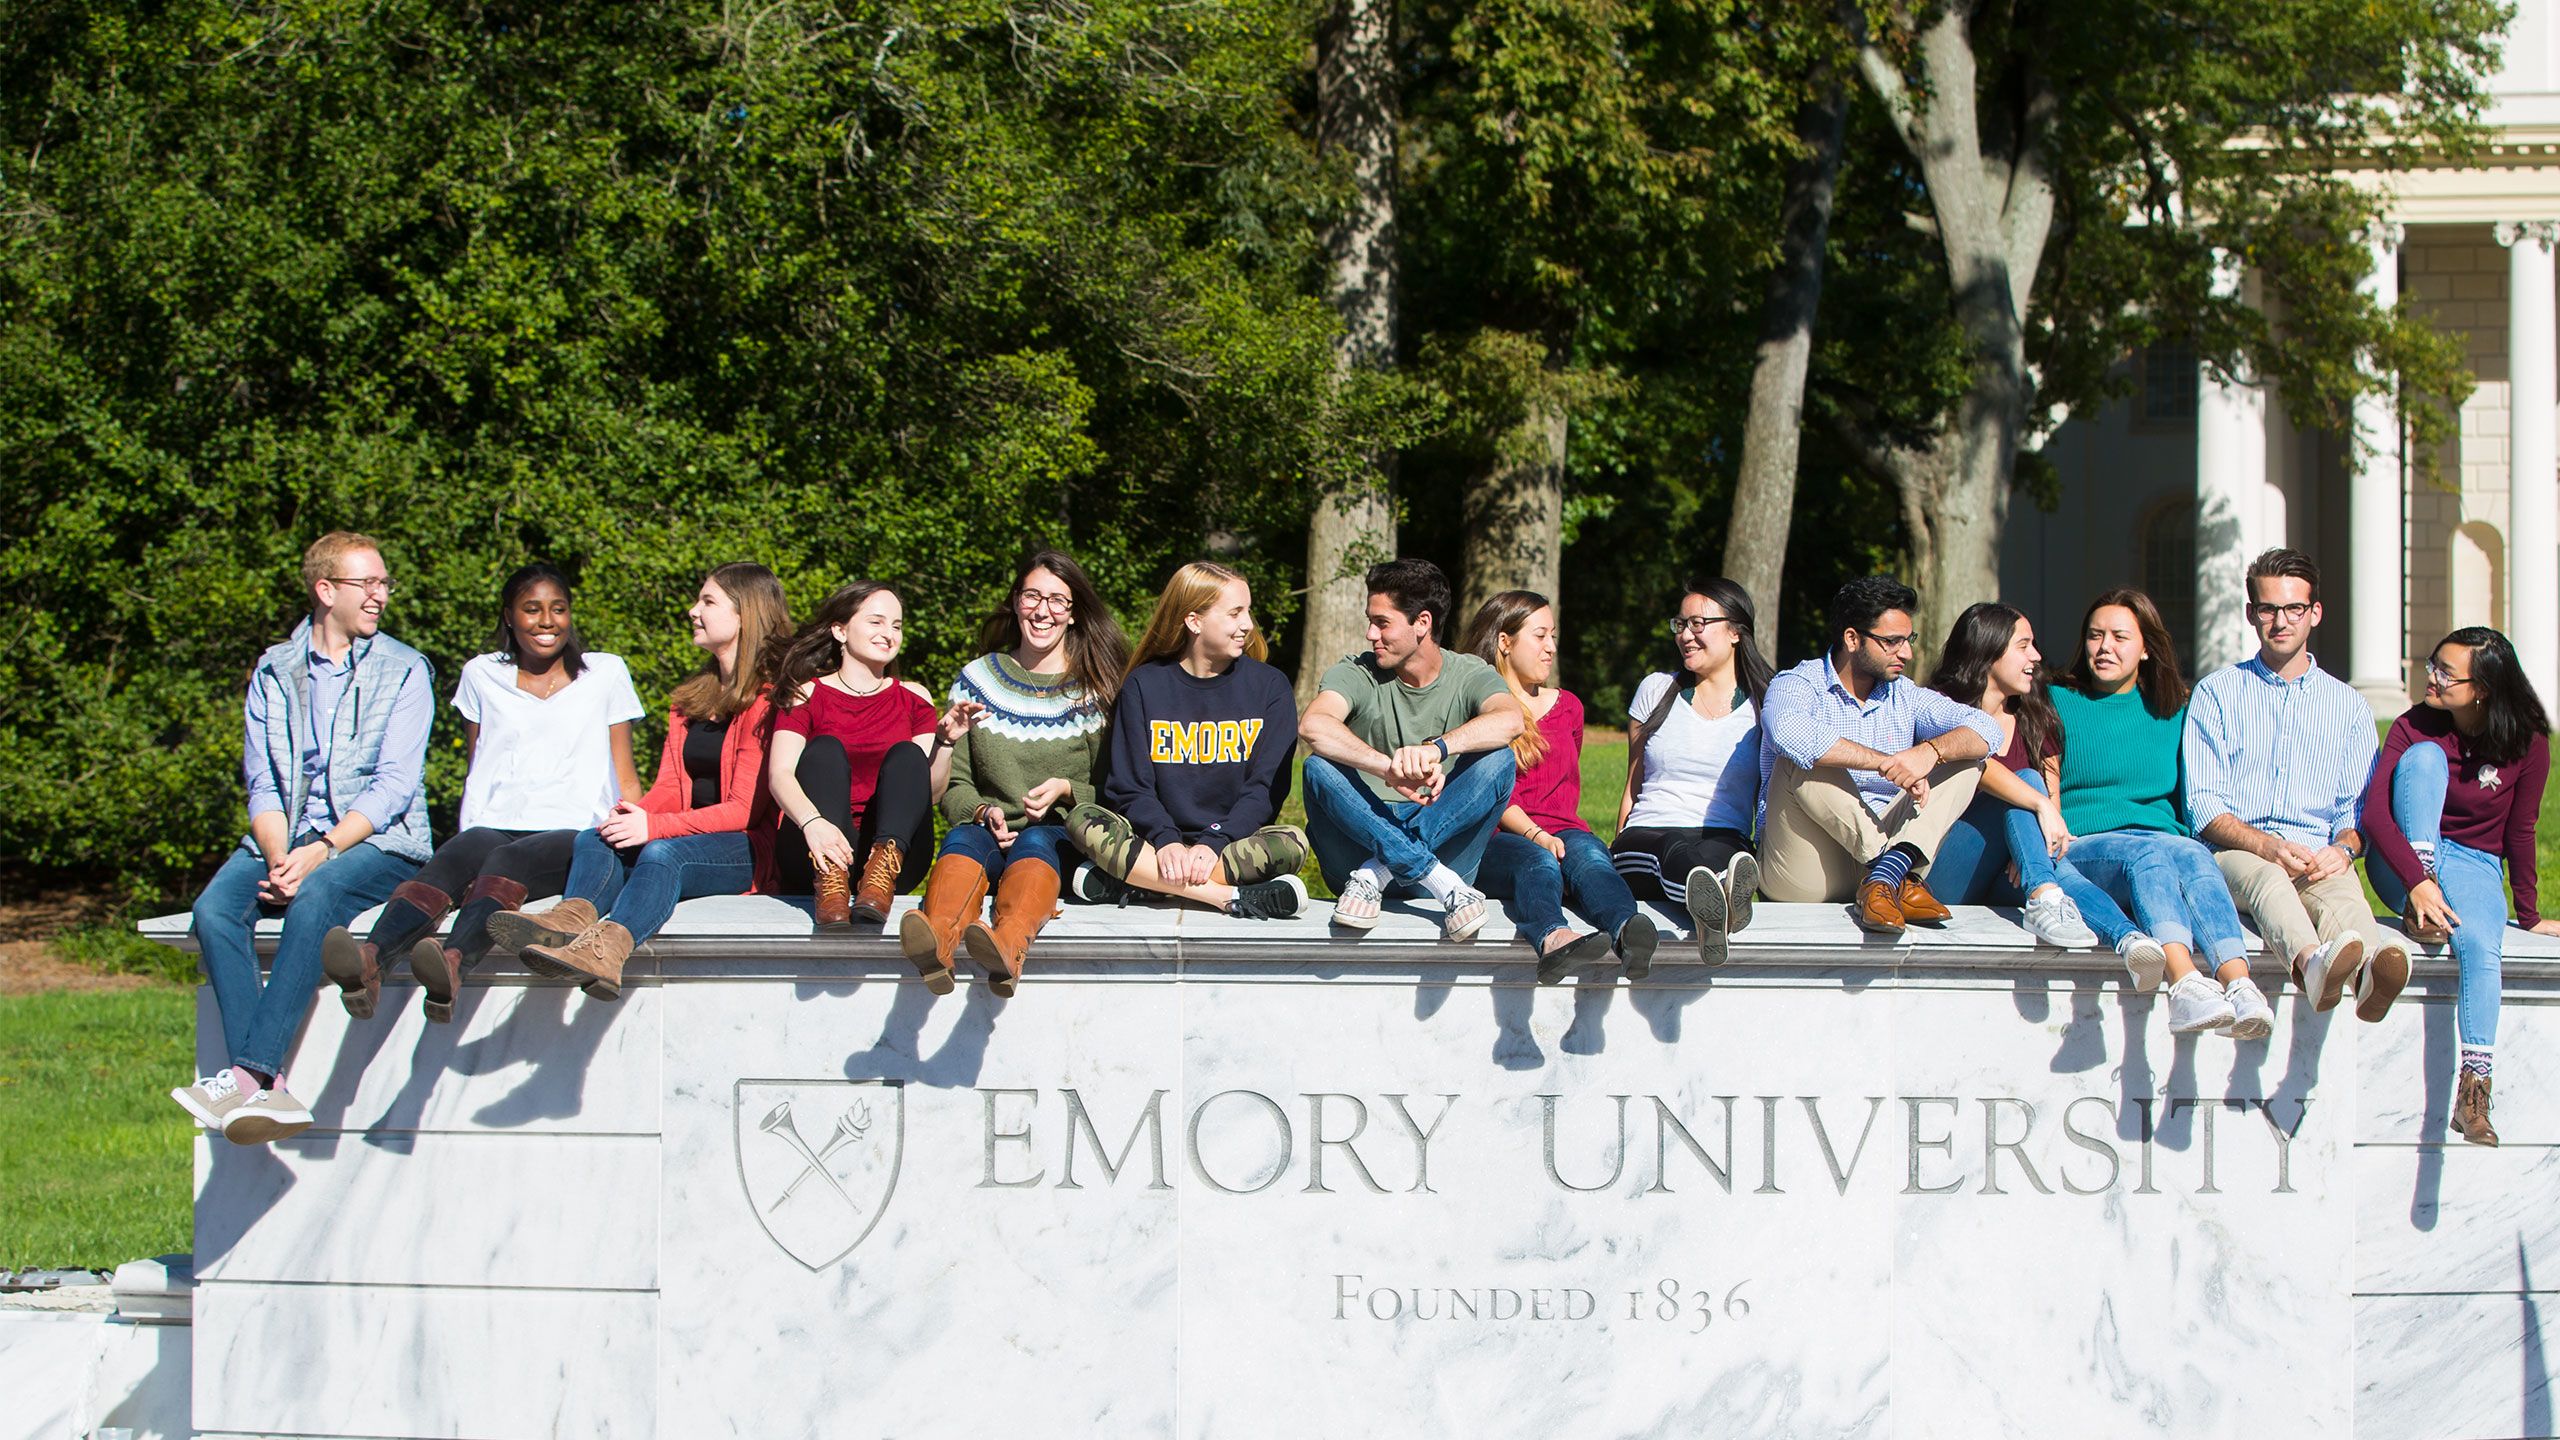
1393	798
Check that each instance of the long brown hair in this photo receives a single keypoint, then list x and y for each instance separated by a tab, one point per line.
1975	643
1097	653
1192	589
1500	616
764	623
816	651
2163	688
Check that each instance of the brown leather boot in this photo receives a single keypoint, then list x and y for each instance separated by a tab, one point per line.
835	897
879	887
1919	906
1025	900
562	923
440	964
594	959
931	931
412	910
2471	1109
1875	910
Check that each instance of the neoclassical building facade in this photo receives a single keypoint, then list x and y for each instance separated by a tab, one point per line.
2199	471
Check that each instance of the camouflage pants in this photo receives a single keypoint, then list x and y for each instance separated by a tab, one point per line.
1112	843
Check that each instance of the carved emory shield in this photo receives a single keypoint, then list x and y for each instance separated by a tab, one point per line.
818	1159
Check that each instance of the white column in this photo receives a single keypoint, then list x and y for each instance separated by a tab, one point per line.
2231	472
2533	458
2378	643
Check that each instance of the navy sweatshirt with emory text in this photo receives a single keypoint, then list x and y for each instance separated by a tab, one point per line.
1201	762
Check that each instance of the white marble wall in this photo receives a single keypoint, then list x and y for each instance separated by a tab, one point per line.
559	1217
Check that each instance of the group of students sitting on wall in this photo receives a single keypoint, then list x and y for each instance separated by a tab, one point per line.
2115	805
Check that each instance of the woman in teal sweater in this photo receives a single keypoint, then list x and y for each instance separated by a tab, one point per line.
2123	709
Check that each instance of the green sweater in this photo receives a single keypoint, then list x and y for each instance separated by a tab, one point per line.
2120	767
1036	727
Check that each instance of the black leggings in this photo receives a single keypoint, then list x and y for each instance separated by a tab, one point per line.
1655	860
901	809
536	859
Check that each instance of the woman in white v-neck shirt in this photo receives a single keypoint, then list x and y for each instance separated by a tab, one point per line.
1693	768
548	726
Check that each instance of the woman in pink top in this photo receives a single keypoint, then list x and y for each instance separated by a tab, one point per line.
2456	791
1542	856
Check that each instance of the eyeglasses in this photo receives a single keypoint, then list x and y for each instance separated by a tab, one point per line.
2292	613
1697	624
2445	679
1046	600
370	584
1891	642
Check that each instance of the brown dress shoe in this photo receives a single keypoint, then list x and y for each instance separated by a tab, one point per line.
1876	912
1919	906
2471	1109
594	959
562	923
2381	981
931	932
835	897
1025	900
351	963
879	887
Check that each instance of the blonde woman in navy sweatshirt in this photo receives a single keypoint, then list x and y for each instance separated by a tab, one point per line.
1200	743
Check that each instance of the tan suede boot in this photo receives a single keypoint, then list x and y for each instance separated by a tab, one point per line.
835	897
594	959
1025	900
2471	1110
930	932
562	923
879	887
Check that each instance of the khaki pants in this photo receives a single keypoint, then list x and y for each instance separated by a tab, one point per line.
2293	915
1821	836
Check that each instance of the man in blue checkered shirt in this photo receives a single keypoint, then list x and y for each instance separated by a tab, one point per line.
1864	772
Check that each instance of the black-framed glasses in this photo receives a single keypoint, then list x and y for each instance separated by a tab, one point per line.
2445	679
2293	613
371	584
1046	600
1891	643
1696	624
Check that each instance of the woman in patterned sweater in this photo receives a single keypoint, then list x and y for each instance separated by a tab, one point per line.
1030	753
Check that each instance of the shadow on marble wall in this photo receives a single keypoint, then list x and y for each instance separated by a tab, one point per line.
897	1054
2535	1382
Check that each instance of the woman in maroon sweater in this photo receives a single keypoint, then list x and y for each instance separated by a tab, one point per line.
2457	790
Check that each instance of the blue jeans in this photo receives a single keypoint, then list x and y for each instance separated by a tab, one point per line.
1349	825
2175	891
638	889
2472	883
1046	844
1516	868
259	1020
1970	864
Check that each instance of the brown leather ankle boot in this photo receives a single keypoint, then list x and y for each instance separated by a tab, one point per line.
931	931
2471	1109
1025	900
835	896
594	959
562	923
879	887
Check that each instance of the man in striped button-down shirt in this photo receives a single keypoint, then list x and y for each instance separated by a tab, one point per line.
2277	752
1864	772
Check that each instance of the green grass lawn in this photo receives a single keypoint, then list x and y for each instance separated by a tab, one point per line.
94	1160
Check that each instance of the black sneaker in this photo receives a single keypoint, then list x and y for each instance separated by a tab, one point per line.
1271	900
1096	887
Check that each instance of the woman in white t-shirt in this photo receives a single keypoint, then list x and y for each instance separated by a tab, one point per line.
1693	768
547	730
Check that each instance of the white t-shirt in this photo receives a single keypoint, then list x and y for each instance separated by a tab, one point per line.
1698	773
543	764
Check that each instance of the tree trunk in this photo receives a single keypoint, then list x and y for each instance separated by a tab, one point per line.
1354	523
1515	512
1764	494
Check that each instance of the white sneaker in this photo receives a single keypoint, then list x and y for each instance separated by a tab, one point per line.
2330	968
2251	1019
2144	960
271	1114
211	1099
2053	919
2196	1005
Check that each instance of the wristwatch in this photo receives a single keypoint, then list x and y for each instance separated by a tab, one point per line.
1442	741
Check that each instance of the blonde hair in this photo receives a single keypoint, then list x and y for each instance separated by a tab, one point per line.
1498	619
328	550
764	626
1192	589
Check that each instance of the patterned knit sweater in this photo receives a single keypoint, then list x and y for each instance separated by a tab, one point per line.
1036	726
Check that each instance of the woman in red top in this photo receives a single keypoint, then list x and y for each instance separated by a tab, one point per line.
705	827
1542	855
858	758
2457	790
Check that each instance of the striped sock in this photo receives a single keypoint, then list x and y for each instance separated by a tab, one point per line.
2475	1059
1891	866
